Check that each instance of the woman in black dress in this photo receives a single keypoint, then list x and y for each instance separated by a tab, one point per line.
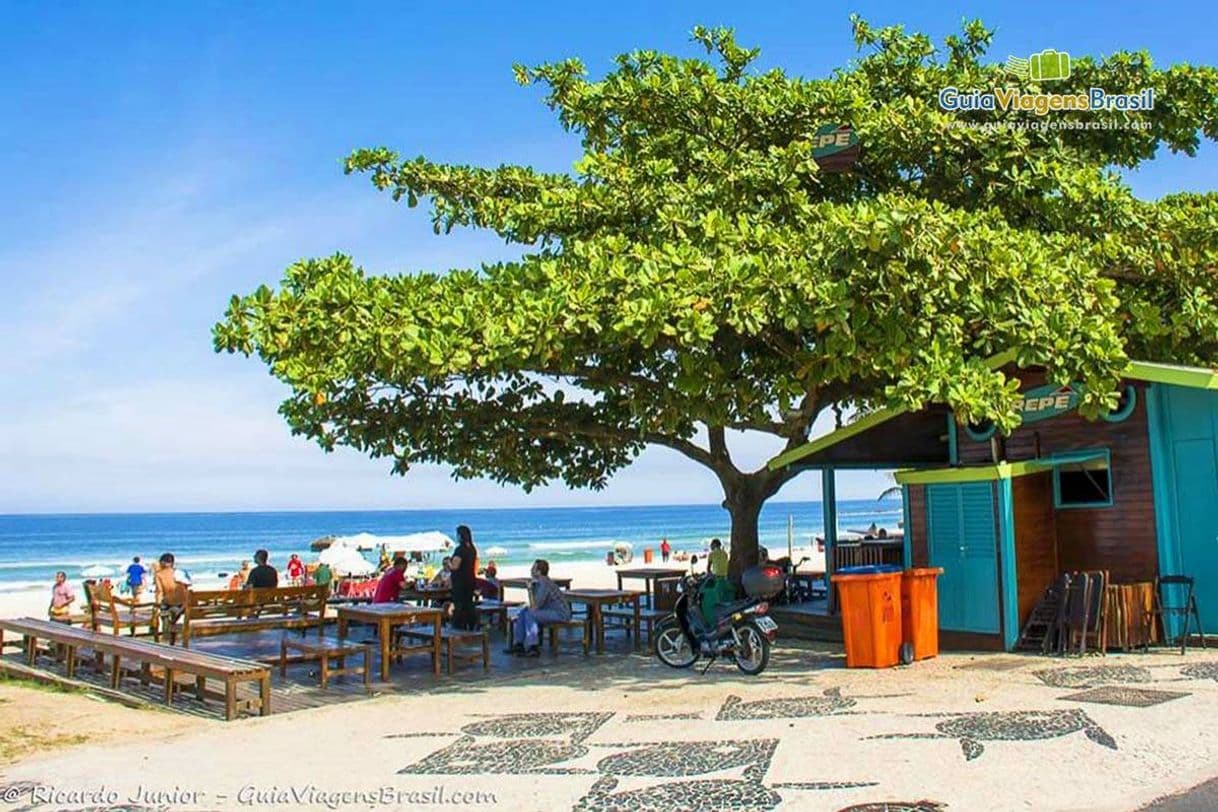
464	568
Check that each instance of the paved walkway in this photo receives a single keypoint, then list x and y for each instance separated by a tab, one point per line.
990	732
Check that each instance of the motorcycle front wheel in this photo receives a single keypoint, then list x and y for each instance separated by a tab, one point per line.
753	654
672	646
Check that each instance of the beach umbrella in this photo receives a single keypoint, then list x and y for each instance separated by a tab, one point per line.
97	571
360	541
431	541
346	561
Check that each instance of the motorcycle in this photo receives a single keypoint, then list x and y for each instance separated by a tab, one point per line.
741	628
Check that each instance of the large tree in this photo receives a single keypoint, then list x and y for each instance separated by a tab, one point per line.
697	273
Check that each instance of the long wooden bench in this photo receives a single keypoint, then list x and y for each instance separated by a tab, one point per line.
146	655
223	611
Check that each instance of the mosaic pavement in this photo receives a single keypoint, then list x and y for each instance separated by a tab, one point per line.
829	702
1125	696
971	729
897	806
555	743
1092	676
1201	671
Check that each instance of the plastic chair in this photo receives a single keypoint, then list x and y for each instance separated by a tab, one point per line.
1164	608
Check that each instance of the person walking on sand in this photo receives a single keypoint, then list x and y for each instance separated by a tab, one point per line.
62	598
546	605
135	578
665	550
263	575
296	570
464	568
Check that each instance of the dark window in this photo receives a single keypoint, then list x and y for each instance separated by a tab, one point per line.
1084	484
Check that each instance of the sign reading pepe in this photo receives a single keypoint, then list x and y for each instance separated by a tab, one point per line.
836	147
1047	401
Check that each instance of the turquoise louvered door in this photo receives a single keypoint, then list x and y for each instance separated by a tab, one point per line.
960	522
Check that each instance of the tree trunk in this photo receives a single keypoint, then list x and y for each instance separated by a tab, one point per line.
743	504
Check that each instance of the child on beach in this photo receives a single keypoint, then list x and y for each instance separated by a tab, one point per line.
135	578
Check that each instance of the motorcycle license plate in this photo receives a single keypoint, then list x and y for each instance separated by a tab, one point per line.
766	624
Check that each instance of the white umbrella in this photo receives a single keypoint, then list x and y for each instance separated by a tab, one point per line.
346	561
431	541
97	571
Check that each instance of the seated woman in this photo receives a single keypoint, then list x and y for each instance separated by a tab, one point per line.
546	605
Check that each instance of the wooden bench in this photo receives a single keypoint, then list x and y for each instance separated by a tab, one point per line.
323	651
223	611
552	629
449	637
648	618
148	655
108	609
495	610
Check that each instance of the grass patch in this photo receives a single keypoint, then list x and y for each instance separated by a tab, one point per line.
7	679
21	740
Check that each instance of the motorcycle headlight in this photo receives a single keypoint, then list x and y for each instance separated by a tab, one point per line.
680	588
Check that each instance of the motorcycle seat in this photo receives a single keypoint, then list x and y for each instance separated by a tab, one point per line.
734	606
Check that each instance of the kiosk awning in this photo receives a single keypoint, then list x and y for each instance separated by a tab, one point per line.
1002	470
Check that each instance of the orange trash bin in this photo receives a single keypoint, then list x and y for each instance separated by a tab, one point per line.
871	616
920	610
648	554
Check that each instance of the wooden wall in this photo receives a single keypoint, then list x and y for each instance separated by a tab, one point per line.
1119	538
1036	563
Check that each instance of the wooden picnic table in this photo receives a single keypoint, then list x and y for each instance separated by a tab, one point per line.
596	600
523	583
426	593
649	576
385	616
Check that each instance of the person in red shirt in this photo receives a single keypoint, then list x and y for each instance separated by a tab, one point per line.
665	549
389	588
296	570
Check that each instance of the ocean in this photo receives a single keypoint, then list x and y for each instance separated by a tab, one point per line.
211	545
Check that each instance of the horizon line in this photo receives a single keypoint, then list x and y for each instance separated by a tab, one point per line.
408	509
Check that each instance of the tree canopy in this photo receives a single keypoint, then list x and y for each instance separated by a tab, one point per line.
698	272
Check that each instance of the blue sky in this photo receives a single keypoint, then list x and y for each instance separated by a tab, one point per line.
159	157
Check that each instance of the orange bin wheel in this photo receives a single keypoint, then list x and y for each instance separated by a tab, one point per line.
648	554
920	610
871	617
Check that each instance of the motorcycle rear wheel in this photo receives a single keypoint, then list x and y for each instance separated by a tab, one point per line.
672	646
754	654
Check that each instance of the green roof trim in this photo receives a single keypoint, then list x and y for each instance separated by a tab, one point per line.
989	473
972	473
834	437
863	423
1191	377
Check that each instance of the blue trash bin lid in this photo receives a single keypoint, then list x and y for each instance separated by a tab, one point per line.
869	569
